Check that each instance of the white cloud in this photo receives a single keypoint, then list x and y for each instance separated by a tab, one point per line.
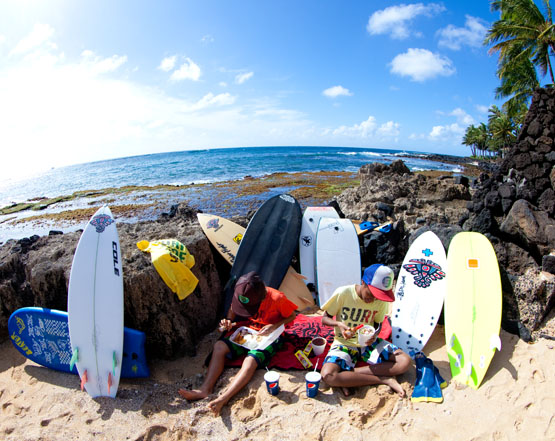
206	39
389	129
395	20
189	70
472	34
421	65
101	65
482	109
462	116
211	100
168	63
242	77
446	132
335	91
368	128
39	36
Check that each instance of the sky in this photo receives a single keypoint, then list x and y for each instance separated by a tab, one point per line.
96	79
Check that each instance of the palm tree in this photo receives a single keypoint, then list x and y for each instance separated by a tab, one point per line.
502	129
525	40
469	139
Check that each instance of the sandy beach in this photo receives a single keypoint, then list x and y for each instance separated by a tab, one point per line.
515	402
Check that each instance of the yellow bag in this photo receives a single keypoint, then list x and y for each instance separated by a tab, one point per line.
172	261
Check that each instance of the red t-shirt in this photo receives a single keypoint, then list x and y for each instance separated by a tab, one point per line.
274	308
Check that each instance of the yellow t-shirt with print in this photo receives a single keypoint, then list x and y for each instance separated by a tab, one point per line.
349	308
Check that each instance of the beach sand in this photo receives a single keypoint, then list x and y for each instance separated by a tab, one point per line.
515	402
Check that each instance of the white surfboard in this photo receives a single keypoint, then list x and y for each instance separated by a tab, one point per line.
419	293
95	306
337	256
307	239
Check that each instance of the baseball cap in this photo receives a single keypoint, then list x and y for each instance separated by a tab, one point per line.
379	279
248	294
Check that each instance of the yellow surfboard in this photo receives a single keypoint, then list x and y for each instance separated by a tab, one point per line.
226	237
472	307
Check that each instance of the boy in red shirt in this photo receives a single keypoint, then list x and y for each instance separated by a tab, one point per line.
266	310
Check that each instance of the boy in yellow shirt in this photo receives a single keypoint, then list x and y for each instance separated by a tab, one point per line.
354	305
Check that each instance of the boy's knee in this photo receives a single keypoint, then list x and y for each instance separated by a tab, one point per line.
402	362
221	348
329	377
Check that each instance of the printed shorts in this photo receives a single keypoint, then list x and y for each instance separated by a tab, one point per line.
262	356
348	356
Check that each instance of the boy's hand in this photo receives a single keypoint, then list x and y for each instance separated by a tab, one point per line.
268	329
346	331
226	325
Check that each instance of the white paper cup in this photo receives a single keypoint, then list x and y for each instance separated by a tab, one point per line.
318	345
365	333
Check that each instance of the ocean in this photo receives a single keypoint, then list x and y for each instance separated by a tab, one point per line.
176	169
203	166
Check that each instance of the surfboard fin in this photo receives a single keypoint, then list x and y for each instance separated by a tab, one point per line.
109	382
114	363
468	369
84	379
74	358
495	342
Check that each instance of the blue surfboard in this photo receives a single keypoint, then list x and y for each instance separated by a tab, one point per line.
42	335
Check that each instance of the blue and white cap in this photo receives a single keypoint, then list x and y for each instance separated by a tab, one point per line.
379	279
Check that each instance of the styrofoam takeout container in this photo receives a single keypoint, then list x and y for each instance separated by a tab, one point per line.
254	343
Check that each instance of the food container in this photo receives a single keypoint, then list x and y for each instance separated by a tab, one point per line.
365	333
252	340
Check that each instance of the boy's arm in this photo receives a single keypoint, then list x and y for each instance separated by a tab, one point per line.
268	329
328	320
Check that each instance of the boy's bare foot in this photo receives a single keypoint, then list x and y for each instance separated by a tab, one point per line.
192	395
394	385
216	405
346	391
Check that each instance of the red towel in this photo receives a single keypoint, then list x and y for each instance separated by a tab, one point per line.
297	335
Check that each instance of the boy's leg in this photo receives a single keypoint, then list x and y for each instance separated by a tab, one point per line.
215	369
248	368
397	364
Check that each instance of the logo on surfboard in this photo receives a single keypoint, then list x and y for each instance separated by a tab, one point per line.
424	271
101	221
306	240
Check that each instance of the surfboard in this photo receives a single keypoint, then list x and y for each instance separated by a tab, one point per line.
226	235
269	243
473	306
337	256
95	306
307	239
419	293
42	336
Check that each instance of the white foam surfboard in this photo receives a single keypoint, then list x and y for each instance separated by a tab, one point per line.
419	293
95	306
307	239
337	256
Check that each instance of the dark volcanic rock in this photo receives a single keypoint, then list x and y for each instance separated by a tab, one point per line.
35	272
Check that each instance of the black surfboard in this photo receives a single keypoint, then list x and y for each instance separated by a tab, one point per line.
269	243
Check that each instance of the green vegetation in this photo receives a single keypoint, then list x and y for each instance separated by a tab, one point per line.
524	37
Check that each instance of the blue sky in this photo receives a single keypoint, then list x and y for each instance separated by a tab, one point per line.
89	80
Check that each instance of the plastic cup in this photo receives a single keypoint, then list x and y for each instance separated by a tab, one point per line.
318	345
272	382
365	333
312	383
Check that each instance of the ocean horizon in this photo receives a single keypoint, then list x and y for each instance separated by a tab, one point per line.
204	166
